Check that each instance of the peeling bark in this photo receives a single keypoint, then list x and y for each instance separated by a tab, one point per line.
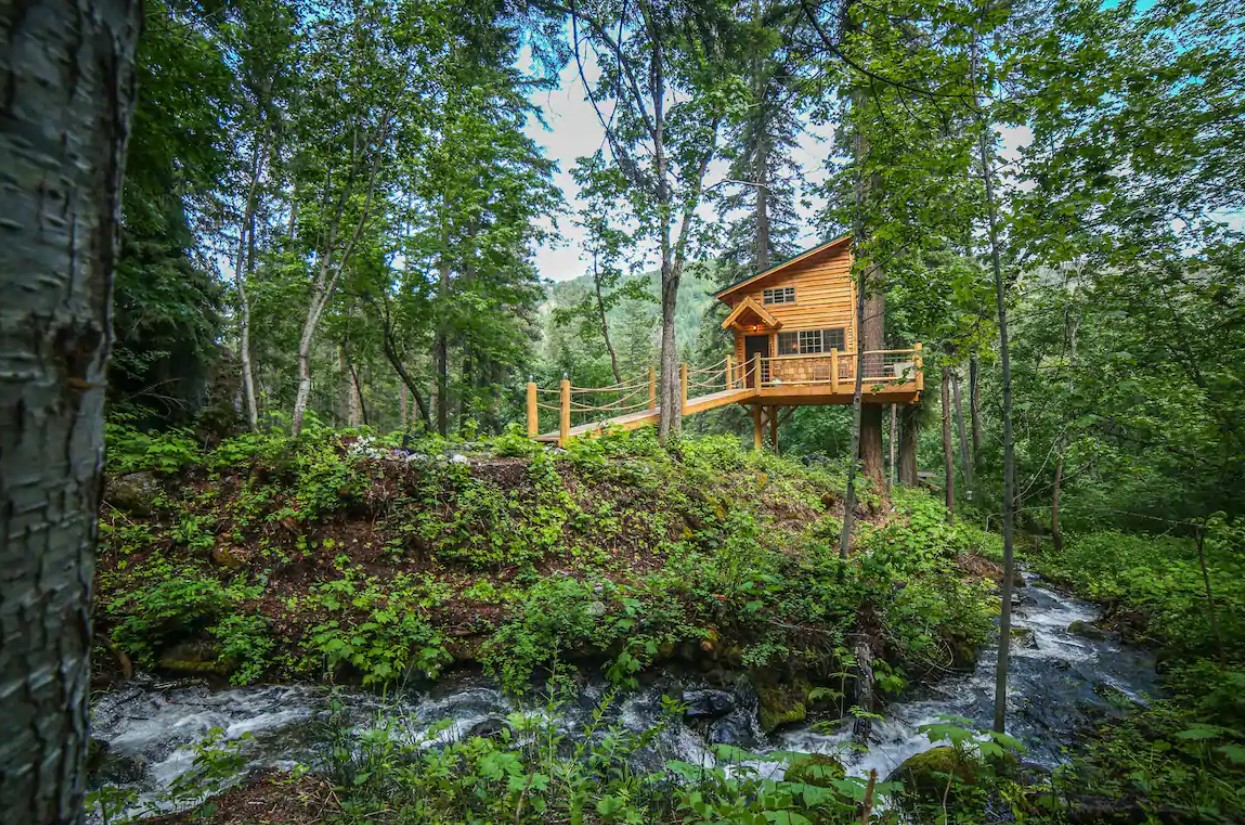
66	96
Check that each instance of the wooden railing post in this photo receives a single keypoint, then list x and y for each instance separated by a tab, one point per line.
919	360
730	372
834	372
533	413
564	419
756	370
682	386
652	388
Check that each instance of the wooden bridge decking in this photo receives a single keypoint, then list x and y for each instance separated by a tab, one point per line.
638	419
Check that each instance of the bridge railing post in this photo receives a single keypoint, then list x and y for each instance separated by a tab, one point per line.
756	370
652	388
682	386
730	372
919	359
564	419
533	412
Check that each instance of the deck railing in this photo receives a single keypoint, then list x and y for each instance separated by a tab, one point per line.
835	371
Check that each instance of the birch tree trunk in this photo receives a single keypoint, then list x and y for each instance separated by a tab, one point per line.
67	81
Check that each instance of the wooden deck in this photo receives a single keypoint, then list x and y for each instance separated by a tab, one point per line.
890	377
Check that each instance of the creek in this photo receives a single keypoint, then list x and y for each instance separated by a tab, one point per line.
1059	684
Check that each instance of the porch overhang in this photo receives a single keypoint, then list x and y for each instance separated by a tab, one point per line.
748	307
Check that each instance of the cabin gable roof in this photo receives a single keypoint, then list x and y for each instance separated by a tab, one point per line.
808	256
749	304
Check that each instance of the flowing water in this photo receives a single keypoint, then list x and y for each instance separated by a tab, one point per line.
1059	683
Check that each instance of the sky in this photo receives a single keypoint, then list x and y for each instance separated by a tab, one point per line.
574	131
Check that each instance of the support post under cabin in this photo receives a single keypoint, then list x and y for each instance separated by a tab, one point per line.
533	412
564	419
756	427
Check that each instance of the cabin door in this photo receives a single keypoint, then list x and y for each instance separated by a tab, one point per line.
755	345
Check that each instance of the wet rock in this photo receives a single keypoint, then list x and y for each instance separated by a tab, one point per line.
488	729
964	654
708	703
1087	631
925	775
814	769
121	769
782	704
1023	637
96	751
197	658
133	492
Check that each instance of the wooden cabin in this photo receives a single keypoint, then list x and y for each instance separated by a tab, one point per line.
795	345
795	338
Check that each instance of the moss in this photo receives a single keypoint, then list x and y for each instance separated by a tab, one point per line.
1086	630
195	659
814	769
782	704
924	775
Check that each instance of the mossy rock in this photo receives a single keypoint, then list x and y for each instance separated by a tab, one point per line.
814	769
782	704
1087	631
1023	637
195	659
924	775
964	654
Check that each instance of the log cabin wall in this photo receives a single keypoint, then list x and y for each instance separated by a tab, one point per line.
825	297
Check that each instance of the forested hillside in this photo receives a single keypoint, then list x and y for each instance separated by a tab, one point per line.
286	320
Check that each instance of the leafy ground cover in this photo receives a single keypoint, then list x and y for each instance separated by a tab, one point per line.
340	556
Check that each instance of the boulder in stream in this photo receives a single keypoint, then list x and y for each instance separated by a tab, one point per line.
925	775
782	704
1087	631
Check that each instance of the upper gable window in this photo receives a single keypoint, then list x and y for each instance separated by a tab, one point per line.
779	295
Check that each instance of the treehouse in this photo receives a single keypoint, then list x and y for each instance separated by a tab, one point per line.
794	329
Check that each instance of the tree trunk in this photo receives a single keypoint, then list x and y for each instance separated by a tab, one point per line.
893	477
671	421
948	465
241	269
849	498
605	324
1056	532
909	436
306	340
443	359
1009	456
872	457
974	404
965	462
67	75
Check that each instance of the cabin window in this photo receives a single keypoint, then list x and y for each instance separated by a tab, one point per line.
811	341
779	295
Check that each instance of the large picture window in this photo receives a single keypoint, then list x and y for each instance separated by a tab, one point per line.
779	295
811	341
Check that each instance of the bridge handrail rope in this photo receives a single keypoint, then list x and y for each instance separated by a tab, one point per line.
611	388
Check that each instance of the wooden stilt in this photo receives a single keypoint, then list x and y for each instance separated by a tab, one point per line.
533	412
564	420
773	429
756	427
